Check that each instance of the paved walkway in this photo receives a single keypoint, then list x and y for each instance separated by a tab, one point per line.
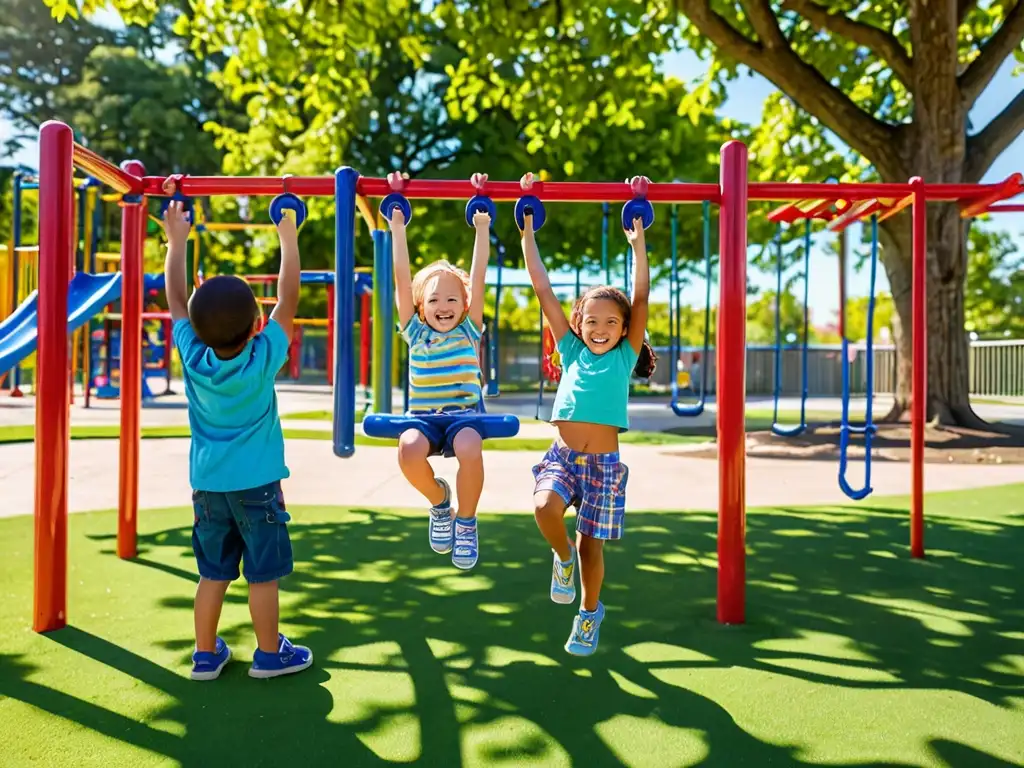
660	478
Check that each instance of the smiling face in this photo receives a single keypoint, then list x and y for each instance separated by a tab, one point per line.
444	301
601	325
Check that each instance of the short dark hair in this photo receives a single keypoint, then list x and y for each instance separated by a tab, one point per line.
222	311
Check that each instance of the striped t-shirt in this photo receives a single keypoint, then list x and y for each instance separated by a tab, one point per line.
444	367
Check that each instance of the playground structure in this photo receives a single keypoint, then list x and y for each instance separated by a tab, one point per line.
60	154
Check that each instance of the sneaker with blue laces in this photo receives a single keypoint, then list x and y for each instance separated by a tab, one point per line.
288	660
586	629
441	528
467	545
207	665
563	579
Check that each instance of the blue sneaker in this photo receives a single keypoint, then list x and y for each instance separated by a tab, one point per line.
467	544
586	628
441	528
563	579
208	666
288	660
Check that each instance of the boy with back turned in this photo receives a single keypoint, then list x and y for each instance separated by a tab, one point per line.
236	461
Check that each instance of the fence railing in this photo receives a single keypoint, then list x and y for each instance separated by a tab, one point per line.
996	367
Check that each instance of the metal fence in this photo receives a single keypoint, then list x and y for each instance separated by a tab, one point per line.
996	367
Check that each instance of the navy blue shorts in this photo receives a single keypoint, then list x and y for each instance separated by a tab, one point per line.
440	429
248	527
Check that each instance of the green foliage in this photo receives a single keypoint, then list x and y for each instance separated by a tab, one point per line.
994	297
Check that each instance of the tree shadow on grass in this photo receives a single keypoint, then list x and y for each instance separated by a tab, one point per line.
419	662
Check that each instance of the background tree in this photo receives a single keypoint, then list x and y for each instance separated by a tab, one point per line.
995	285
893	81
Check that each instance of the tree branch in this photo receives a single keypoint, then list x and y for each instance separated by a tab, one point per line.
804	84
876	40
992	55
986	146
963	7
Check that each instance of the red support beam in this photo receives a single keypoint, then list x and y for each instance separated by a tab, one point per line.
731	387
436	189
919	358
133	235
119	179
1005	208
56	258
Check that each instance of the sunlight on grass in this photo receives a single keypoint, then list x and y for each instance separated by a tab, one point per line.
932	617
652	743
660	653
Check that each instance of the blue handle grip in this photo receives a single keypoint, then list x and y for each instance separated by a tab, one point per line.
637	208
189	205
480	203
396	200
530	204
287	202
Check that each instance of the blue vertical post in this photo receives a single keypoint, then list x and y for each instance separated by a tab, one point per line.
15	260
344	432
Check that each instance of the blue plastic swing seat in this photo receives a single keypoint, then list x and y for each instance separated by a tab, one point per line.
392	425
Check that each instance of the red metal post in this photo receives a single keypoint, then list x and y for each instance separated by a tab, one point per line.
364	341
731	385
330	334
56	255
919	374
133	235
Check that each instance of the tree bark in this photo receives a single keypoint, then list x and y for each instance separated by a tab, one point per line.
948	344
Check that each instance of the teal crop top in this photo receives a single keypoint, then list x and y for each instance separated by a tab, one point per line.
594	388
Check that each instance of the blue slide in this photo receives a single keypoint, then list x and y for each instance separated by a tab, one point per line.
87	295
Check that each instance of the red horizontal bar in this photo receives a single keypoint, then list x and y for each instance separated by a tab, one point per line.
557	191
782	191
1010	187
1005	208
106	171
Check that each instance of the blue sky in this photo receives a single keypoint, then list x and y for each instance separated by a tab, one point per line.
745	99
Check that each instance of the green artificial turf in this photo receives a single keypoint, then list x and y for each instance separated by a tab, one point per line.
852	654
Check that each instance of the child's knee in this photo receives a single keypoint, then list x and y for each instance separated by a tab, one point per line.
548	504
468	445
412	446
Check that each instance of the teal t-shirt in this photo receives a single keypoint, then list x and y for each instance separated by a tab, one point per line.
594	388
237	442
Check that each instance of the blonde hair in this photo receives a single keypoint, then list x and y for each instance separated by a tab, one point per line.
428	273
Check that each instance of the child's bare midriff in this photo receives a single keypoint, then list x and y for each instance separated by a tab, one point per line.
583	437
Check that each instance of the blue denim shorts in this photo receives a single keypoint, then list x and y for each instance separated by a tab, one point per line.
248	527
441	428
593	483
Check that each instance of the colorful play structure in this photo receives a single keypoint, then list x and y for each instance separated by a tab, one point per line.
839	204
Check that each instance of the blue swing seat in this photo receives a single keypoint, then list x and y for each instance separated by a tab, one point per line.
391	425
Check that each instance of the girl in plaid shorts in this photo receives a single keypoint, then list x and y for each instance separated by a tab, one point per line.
601	344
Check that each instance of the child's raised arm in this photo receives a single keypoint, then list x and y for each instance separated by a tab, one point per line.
549	303
641	285
290	275
481	255
400	258
177	227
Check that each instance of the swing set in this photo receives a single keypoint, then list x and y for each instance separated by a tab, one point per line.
60	154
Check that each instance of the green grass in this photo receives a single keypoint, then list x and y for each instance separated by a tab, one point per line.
26	434
852	653
995	401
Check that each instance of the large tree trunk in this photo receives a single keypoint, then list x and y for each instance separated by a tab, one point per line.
948	346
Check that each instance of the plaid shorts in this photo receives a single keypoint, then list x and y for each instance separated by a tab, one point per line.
593	483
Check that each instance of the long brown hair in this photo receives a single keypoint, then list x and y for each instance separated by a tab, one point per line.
647	360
